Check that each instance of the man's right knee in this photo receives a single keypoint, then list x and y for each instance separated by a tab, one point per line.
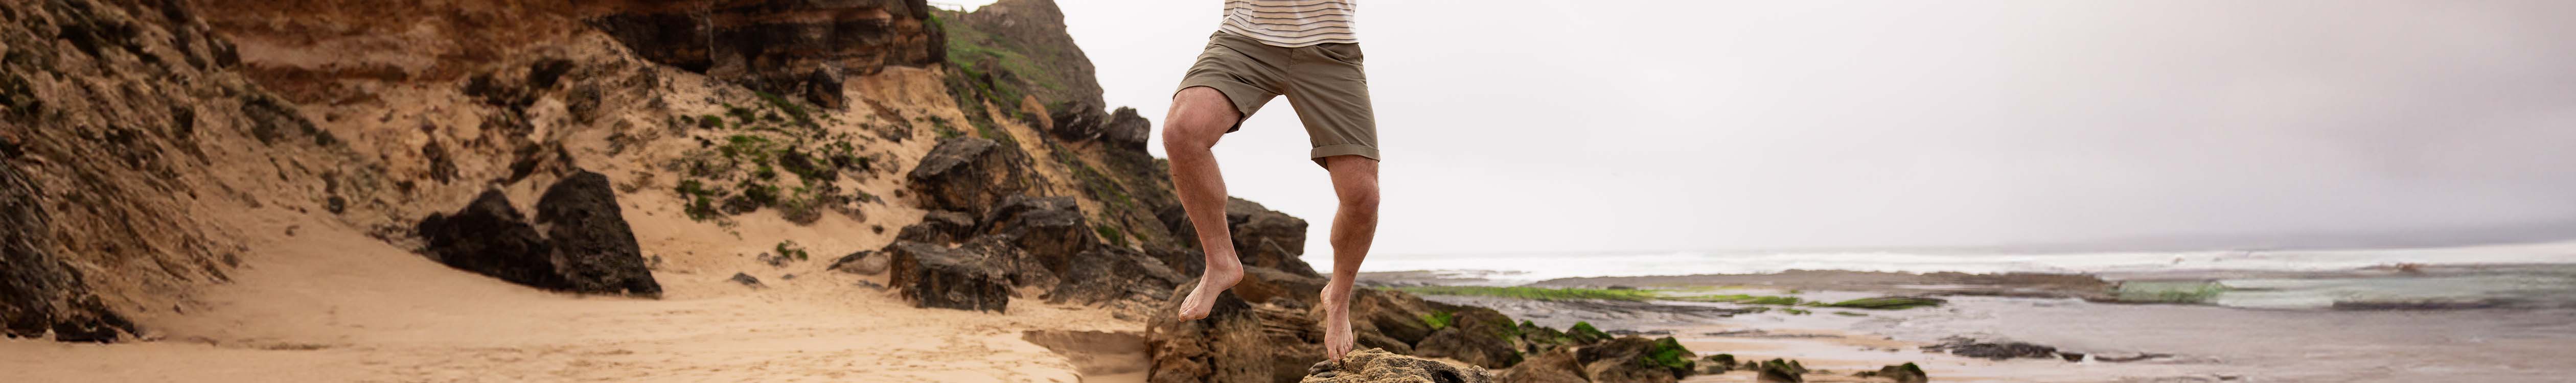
1200	115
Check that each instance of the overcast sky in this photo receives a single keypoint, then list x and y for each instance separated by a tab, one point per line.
1532	126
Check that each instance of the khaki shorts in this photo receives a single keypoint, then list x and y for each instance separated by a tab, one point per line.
1325	83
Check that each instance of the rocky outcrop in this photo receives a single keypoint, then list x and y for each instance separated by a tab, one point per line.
970	174
38	293
936	276
1993	350
588	247
1902	373
1780	371
1238	342
1379	366
1047	63
1636	359
863	262
794	48
1475	335
1262	237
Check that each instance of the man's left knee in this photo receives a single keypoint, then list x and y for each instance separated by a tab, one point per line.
1355	180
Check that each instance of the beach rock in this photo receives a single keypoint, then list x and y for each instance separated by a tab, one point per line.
1889	303
1239	341
1126	130
1476	335
593	246
936	276
940	227
970	174
1780	371
1111	273
1077	121
792	48
1902	373
1636	359
1993	350
1551	366
1379	366
1262	237
1050	231
863	262
38	292
490	237
746	280
1716	364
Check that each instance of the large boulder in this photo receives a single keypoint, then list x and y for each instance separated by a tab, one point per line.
1636	359
593	246
937	276
1379	366
970	174
490	237
38	292
587	246
1262	237
794	48
1475	335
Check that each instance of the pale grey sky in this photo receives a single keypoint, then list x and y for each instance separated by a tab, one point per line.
1525	126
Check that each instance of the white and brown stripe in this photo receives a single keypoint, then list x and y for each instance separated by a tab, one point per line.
1292	23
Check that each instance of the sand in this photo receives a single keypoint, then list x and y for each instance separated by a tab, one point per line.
330	304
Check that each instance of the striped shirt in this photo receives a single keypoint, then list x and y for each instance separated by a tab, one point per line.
1292	23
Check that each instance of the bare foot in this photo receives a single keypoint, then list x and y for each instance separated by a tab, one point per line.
1221	274
1337	326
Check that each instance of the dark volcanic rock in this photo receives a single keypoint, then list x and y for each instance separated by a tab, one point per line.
970	174
593	246
1077	121
746	280
1262	237
1049	230
1110	273
588	247
936	276
940	226
1477	335
37	291
1126	130
1379	366
490	237
792	48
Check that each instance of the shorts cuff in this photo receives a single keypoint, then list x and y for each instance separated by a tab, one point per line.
1344	150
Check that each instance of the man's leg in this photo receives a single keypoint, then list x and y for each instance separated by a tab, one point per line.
1200	116
1354	228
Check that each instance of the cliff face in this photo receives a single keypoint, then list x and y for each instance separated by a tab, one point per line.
803	48
119	121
